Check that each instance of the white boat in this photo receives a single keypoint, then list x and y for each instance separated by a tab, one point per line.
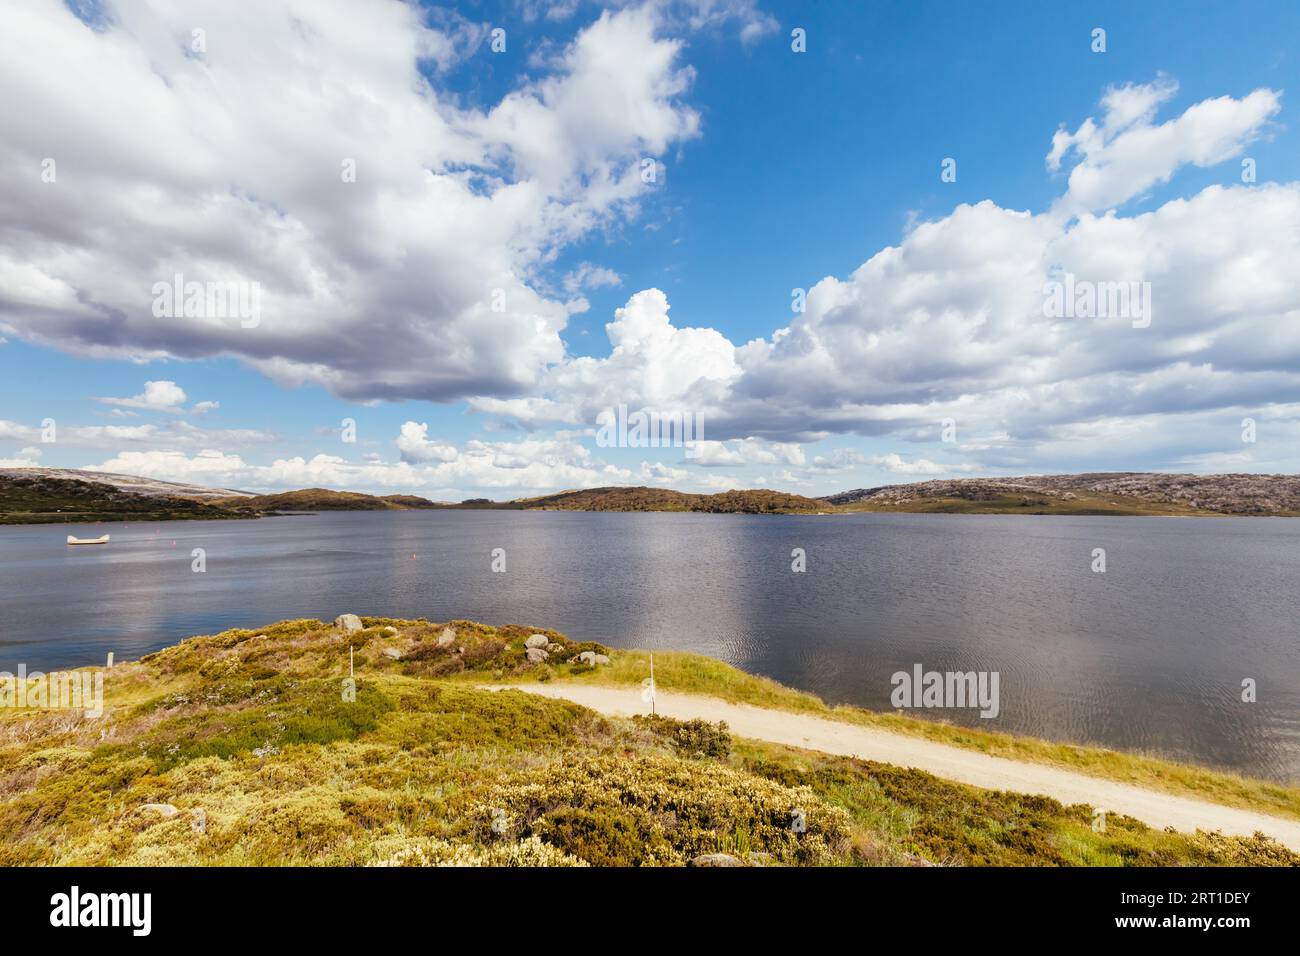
72	540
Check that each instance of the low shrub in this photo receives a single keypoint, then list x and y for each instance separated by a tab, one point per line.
653	810
690	738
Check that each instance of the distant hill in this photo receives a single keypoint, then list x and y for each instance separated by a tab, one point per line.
134	484
50	495
323	499
42	498
43	495
1122	492
753	501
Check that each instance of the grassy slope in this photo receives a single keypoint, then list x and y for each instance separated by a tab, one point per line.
249	729
695	674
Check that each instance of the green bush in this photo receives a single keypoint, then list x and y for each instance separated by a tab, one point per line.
690	738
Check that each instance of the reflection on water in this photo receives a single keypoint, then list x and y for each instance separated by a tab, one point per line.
1149	655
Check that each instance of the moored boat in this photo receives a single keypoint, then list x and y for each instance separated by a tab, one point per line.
100	540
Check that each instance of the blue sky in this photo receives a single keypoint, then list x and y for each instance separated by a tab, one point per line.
776	170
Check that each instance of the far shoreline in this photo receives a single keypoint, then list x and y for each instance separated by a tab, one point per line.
72	496
6	520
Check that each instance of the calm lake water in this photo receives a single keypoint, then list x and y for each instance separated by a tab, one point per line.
1147	656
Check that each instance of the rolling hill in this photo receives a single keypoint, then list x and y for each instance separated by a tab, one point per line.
1117	493
40	497
323	499
753	501
44	495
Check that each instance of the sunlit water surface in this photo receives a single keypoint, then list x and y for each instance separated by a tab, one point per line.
1150	655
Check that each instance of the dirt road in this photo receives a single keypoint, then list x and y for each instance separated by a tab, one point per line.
1152	807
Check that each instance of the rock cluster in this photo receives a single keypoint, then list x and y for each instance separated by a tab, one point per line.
535	648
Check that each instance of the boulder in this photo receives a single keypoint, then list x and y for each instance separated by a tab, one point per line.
600	658
348	623
716	859
447	637
537	640
164	810
591	658
392	653
536	655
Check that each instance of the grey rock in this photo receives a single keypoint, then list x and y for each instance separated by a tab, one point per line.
164	810
348	622
591	658
447	637
536	655
716	859
537	640
393	653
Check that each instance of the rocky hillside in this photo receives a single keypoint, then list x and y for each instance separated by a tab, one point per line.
1098	492
132	484
56	495
43	498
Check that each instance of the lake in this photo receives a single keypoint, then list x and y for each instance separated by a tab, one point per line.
1149	655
